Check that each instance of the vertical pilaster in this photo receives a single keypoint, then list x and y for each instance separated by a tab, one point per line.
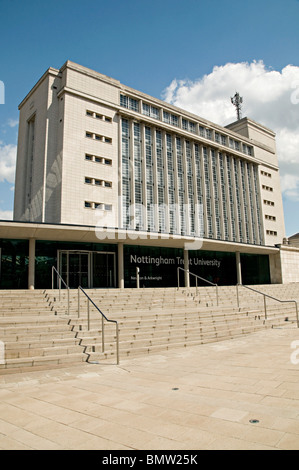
239	267
31	266
121	277
186	268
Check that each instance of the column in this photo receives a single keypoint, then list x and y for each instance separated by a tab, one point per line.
186	267
31	267
239	267
121	279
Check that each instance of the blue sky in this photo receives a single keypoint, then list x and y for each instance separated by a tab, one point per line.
148	45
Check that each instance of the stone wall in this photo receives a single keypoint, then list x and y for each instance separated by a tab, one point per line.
289	257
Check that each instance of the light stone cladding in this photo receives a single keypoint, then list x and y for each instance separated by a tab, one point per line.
294	240
289	258
95	152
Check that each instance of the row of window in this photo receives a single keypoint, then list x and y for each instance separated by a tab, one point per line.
199	191
97	159
267	188
265	173
101	138
98	116
271	232
97	182
269	203
97	205
190	126
270	217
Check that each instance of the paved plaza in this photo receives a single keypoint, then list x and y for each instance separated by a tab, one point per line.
235	394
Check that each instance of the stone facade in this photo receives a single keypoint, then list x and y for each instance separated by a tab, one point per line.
91	148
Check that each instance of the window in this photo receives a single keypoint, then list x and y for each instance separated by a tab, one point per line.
166	117
271	232
96	159
95	115
150	111
268	203
124	101
264	173
170	119
129	103
209	134
267	188
100	138
270	217
247	150
97	182
174	120
98	205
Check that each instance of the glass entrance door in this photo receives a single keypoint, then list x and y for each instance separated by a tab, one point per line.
87	269
74	268
103	270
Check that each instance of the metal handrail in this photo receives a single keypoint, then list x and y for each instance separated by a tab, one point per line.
265	301
103	317
198	277
54	270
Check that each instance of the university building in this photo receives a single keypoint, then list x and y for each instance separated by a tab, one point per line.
109	179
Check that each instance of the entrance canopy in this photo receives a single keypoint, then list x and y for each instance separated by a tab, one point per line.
91	234
106	258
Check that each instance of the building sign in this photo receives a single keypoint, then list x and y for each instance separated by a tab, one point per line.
158	267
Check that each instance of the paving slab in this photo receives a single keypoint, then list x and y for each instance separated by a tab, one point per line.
231	395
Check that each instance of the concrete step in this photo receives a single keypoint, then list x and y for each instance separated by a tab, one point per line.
37	333
42	361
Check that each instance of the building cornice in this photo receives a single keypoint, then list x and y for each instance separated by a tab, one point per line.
50	71
91	234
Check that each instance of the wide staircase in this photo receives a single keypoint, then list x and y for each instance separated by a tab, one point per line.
46	329
33	335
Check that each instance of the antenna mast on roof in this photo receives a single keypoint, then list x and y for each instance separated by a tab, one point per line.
237	101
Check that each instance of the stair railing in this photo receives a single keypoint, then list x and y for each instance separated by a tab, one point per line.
90	301
60	280
265	300
198	277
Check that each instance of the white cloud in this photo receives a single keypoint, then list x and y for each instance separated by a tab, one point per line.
13	122
269	97
290	186
6	215
7	162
